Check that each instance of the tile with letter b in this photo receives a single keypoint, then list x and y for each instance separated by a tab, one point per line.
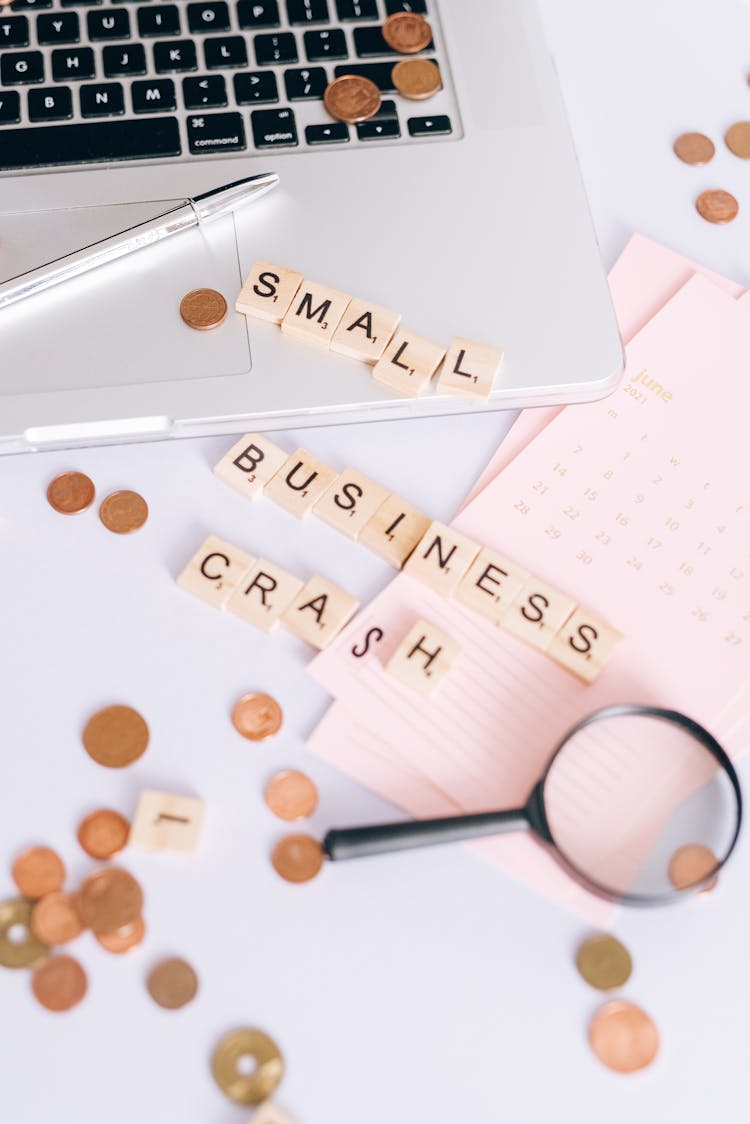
350	502
214	571
263	594
164	822
394	530
365	331
584	644
300	483
441	558
423	658
469	369
268	291
537	613
490	584
250	463
408	363
314	314
319	612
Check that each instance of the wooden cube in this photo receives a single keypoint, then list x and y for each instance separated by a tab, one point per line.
263	594
164	822
214	571
269	1113
441	558
319	612
315	313
268	291
250	464
490	584
423	658
394	530
350	502
365	331
537	613
584	644
300	483
469	369
408	363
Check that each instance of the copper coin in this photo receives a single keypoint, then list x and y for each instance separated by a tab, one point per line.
690	865
38	871
245	1087
19	948
55	918
694	148
352	98
416	78
59	983
103	833
203	309
122	940
291	795
109	900
172	983
717	206
737	139
70	493
407	32
297	858
623	1037
115	737
123	512
257	716
604	962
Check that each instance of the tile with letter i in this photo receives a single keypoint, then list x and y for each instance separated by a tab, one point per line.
300	483
249	465
394	530
469	369
263	594
268	291
164	822
314	314
350	502
423	658
214	571
365	331
537	613
491	584
319	612
408	363
584	644
441	558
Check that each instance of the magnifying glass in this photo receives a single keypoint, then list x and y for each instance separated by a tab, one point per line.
638	804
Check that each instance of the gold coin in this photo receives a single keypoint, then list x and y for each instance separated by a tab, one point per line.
55	918
257	716
103	833
115	737
623	1037
38	871
737	139
690	865
59	983
291	795
123	512
416	78
407	32
235	1053
297	858
122	940
694	148
604	962
717	206
352	98
203	309
70	493
172	983
109	900
19	948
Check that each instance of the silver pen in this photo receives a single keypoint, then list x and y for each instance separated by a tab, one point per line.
184	215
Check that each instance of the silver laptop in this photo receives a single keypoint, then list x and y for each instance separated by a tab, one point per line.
465	213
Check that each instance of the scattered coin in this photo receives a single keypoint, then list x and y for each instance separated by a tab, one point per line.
38	871
694	148
59	983
416	78
227	1066
291	795
203	309
123	512
352	99
172	983
257	716
737	139
122	940
690	864
623	1037
604	962
109	900
70	493
407	32
297	858
55	918
717	206
19	948
115	736
103	833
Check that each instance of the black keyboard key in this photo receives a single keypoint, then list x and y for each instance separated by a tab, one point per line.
19	68
307	11
208	17
109	25
62	27
106	99
322	45
80	3
52	103
256	88
216	132
119	62
369	43
205	93
31	5
304	84
222	54
258	13
377	72
327	134
164	20
274	128
153	95
175	56
139	139
438	125
379	129
14	32
73	63
417	6
270	49
357	9
10	107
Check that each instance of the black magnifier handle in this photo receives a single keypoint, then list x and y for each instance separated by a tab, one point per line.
378	839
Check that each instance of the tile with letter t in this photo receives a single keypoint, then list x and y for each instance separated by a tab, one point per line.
300	483
408	363
268	291
491	584
537	613
319	612
263	594
350	502
315	313
394	530
164	822
365	331
441	558
214	571
423	658
469	370
584	644
250	463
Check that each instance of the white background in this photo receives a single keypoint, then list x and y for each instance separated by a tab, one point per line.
418	988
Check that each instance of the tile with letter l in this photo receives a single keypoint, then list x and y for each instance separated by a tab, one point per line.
164	822
214	571
537	613
584	644
315	313
469	369
490	584
268	291
423	658
394	530
263	594
350	502
250	463
441	558
319	612
408	363
365	331
300	483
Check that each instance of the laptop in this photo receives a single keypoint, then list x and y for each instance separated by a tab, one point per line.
465	212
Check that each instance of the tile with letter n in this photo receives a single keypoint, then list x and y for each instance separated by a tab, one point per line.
441	558
165	822
349	502
300	483
394	530
319	612
214	571
365	330
408	363
250	463
584	644
469	369
263	594
538	612
423	658
268	291
491	584
315	313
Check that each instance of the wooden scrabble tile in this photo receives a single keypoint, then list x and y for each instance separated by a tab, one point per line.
408	363
350	502
214	571
315	312
423	658
319	612
584	644
394	530
537	613
250	464
490	584
268	291
299	483
263	594
441	558
469	369
164	822
269	1113
365	330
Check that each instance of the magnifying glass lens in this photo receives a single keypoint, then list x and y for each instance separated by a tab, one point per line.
639	806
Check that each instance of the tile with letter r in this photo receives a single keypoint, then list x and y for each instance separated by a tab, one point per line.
584	644
441	558
423	658
165	822
263	594
250	463
315	313
319	612
268	291
300	483
214	571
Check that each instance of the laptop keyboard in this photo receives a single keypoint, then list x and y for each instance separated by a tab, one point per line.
87	81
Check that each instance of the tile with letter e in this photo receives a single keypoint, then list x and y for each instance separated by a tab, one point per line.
537	613
423	658
491	584
263	594
315	312
365	331
469	369
441	558
250	463
214	571
408	363
164	822
584	644
350	502
299	483
319	612
268	291
394	530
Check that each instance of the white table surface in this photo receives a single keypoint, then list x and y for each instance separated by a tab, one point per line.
422	988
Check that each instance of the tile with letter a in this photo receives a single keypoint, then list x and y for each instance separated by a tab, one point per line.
469	370
250	464
423	658
214	571
394	530
408	363
584	644
268	291
490	584
263	594
350	502
300	483
441	558
365	331
537	613
164	822
319	612
315	313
